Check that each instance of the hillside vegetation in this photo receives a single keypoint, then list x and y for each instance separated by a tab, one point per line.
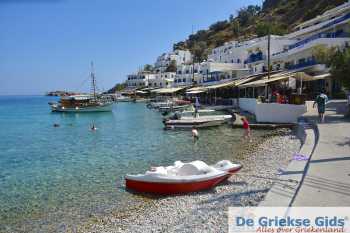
278	16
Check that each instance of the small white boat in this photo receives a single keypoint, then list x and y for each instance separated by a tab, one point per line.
123	99
197	121
173	108
182	177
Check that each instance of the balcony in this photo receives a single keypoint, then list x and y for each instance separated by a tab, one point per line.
338	34
302	65
254	57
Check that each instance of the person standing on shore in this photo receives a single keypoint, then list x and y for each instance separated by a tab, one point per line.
246	128
321	101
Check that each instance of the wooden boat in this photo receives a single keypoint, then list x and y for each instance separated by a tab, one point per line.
197	121
93	102
82	103
181	177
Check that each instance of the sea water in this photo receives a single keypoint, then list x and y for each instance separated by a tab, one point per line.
56	176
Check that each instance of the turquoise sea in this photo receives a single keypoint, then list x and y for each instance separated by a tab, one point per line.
58	177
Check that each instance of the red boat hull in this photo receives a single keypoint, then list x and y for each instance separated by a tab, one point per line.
173	188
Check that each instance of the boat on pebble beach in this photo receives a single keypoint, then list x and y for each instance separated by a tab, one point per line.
197	121
181	177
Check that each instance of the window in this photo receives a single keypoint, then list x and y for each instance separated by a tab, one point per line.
302	61
184	80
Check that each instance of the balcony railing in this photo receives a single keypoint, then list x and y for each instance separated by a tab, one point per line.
254	58
302	65
338	34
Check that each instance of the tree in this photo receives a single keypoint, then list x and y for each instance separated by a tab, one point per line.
148	67
218	26
118	87
340	67
263	29
236	27
200	51
323	54
171	67
246	15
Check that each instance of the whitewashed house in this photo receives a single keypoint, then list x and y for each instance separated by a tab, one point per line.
179	56
331	29
162	80
140	79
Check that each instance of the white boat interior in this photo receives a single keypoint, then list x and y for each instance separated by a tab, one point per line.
185	172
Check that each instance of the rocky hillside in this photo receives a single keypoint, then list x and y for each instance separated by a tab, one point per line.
281	16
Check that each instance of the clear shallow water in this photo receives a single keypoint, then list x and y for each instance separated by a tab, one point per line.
50	176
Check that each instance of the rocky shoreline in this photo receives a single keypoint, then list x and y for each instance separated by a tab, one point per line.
207	211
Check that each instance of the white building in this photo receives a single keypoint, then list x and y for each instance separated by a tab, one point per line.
179	56
140	79
330	29
215	72
187	75
293	51
208	73
250	54
162	80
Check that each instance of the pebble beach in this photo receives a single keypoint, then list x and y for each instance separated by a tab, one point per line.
207	211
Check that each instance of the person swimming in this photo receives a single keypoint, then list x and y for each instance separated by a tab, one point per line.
93	127
56	125
195	133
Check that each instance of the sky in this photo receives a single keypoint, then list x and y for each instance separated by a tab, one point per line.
48	45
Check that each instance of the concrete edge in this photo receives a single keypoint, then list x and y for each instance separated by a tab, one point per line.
283	192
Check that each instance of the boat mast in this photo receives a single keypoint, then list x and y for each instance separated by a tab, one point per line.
93	80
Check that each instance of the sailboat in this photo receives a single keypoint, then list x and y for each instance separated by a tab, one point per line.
92	102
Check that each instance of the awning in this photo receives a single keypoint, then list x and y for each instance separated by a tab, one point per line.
265	80
167	90
148	88
245	80
322	76
141	92
221	85
201	88
195	92
306	77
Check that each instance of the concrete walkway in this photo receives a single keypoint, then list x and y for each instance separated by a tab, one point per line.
325	179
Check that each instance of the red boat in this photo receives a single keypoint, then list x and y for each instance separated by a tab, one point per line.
182	177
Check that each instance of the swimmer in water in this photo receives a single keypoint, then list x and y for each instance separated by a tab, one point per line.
93	127
195	134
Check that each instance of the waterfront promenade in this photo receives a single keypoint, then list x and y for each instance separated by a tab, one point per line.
327	180
324	180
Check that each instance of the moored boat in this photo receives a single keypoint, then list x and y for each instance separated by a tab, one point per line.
82	103
197	121
181	177
93	102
